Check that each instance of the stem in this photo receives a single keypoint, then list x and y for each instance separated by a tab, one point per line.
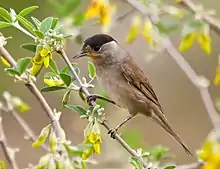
104	123
184	65
23	30
8	152
34	90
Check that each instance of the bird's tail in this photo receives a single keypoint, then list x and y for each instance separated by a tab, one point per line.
163	122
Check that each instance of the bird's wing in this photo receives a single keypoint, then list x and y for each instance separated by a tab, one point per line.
136	77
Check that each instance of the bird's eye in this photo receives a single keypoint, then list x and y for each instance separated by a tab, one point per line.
96	48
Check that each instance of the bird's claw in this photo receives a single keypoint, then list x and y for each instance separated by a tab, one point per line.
91	98
112	133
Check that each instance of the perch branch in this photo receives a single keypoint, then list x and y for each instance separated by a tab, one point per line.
192	7
34	90
104	123
184	65
8	152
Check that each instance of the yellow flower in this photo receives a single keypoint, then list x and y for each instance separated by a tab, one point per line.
101	9
95	140
147	32
5	62
210	154
205	42
53	82
41	59
187	42
217	76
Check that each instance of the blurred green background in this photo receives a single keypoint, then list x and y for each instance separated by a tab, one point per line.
181	100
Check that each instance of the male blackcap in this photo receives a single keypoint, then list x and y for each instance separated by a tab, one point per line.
124	81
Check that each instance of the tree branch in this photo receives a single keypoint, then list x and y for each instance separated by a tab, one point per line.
34	90
104	123
214	23
8	152
184	65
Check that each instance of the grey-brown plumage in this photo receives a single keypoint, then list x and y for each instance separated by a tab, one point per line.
124	81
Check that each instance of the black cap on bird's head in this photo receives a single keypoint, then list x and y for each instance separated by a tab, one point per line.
93	44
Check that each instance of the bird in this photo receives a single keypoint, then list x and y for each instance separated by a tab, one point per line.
125	82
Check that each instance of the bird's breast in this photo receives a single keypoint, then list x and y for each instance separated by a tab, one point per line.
113	82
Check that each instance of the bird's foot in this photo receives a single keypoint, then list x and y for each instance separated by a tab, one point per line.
91	98
113	132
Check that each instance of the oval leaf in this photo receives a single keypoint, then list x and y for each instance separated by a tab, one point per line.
36	21
46	24
12	72
26	23
28	10
52	88
79	109
5	14
53	67
22	64
92	70
39	34
4	24
29	46
54	23
42	137
67	79
66	97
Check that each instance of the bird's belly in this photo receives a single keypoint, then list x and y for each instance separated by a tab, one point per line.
114	89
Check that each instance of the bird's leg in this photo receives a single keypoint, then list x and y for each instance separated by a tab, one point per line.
113	131
93	97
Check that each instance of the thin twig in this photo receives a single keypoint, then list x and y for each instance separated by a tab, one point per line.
184	65
35	91
214	23
104	123
8	152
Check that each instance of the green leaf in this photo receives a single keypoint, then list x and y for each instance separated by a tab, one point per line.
76	108
135	162
12	72
66	97
52	141
30	47
168	25
26	23
42	137
46	24
27	10
67	70
67	79
53	67
4	24
78	18
82	96
52	88
5	14
92	70
54	23
39	34
170	167
158	152
22	64
36	21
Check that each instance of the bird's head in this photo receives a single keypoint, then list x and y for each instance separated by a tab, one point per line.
101	48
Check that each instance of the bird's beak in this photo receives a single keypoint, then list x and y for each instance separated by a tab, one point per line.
82	53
